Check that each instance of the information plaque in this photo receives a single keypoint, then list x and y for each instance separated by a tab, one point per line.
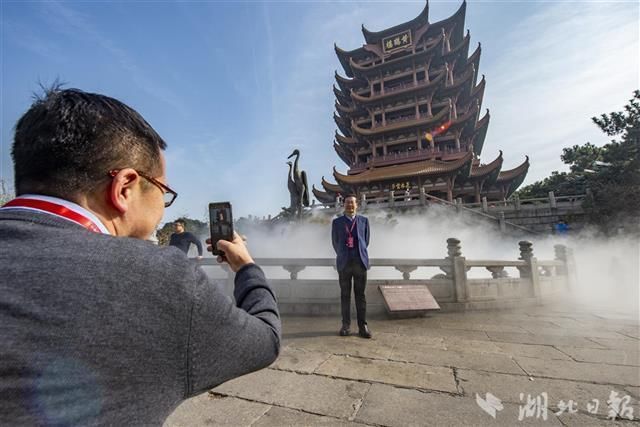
399	298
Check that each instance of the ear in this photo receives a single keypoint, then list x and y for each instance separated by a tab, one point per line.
121	189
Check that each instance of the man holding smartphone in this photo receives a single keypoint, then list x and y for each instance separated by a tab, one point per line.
99	326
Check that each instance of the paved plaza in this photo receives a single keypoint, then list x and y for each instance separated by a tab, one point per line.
544	365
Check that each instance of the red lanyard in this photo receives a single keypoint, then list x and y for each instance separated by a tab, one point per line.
353	224
55	209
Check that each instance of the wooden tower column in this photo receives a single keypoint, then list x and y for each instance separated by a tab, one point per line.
450	189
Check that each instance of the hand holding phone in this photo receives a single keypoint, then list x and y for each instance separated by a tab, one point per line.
235	252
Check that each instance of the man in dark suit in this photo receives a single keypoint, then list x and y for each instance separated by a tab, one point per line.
350	238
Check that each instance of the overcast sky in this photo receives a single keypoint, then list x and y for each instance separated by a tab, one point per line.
234	87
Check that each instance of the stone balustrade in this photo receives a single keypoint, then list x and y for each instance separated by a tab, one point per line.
455	288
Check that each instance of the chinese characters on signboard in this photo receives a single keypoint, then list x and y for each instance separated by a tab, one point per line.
398	41
401	186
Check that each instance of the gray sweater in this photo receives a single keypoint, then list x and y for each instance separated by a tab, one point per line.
99	330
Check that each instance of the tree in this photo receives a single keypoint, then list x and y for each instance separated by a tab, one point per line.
615	183
610	174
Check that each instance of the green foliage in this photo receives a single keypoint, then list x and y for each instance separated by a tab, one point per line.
561	183
194	226
5	195
581	157
609	175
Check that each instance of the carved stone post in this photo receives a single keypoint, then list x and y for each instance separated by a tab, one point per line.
552	200
423	196
561	255
529	271
516	201
458	270
526	253
392	198
503	224
565	255
485	206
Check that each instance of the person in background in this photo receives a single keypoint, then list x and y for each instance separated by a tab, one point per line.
350	238
97	325
182	239
562	228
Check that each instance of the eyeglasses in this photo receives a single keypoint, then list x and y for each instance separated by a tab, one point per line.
168	194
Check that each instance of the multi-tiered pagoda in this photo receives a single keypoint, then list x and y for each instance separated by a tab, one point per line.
408	115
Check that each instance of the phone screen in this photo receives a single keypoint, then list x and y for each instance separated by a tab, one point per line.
220	223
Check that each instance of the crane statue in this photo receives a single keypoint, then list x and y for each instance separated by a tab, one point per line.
291	185
298	187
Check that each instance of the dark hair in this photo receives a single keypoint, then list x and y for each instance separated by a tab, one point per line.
180	221
351	195
69	140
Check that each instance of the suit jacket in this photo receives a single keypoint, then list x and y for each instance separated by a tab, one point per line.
339	240
104	330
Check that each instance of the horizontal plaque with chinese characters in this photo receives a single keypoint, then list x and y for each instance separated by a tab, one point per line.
399	298
397	41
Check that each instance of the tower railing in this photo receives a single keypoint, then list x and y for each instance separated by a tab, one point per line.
522	281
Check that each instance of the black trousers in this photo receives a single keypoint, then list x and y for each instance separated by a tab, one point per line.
353	271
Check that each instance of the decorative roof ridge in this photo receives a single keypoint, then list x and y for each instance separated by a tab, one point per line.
475	56
414	168
403	124
482	170
341	51
484	119
345	139
322	196
432	83
335	188
347	80
372	37
466	41
514	173
461	12
344	109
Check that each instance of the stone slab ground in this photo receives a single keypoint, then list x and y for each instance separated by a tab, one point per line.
546	365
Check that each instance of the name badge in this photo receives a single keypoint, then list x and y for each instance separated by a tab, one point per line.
350	242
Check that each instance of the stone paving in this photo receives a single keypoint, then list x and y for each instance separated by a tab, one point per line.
546	365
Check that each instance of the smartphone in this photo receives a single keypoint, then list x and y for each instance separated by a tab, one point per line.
220	224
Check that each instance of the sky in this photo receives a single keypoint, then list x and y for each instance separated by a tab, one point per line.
234	87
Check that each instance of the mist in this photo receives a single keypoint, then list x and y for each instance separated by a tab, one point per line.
607	269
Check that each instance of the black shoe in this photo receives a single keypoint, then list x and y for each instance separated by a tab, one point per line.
364	332
344	331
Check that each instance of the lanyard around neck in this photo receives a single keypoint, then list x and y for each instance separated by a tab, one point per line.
56	209
353	224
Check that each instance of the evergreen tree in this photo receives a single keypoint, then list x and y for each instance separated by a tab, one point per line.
609	175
